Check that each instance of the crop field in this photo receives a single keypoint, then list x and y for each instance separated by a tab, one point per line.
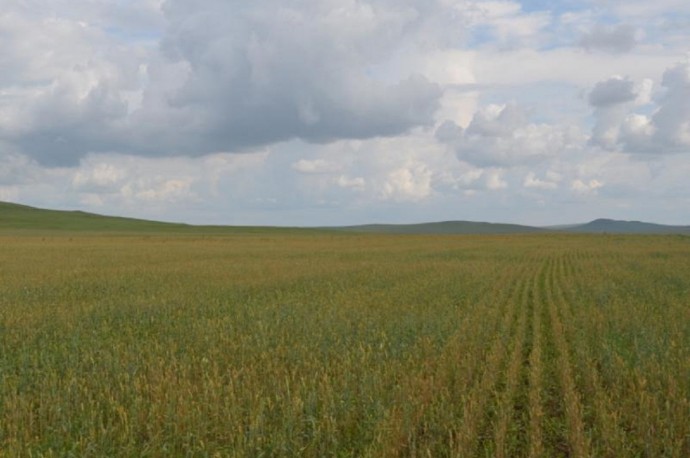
320	344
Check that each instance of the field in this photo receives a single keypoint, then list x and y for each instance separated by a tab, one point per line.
319	344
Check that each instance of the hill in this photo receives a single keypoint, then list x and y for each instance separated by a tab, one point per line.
16	217
603	225
444	227
20	217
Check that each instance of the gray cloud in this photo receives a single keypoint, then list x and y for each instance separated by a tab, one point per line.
613	91
615	39
672	121
260	74
610	99
226	76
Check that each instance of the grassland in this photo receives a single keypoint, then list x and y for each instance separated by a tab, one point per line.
306	344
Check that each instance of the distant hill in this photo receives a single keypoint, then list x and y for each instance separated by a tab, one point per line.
22	218
444	227
598	226
603	225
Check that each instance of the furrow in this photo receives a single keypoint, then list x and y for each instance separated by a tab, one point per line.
461	359
609	437
507	402
577	440
466	438
535	394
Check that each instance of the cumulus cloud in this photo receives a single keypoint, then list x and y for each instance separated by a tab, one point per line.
143	107
225	77
671	122
409	183
619	126
502	135
609	99
610	38
260	73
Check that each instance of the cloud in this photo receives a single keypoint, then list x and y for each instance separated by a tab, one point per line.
16	168
102	177
224	77
267	72
356	183
409	183
671	122
315	166
494	180
65	84
618	38
531	181
610	99
586	187
614	91
620	126
323	111
158	189
506	22
502	135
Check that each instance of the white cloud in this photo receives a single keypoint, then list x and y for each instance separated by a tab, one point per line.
410	183
502	135
567	65
318	111
315	166
586	187
99	176
494	180
666	131
531	181
356	183
159	190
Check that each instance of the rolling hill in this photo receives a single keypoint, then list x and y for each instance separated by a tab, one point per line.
603	225
16	217
23	218
444	227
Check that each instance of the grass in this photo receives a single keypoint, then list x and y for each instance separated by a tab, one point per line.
327	344
21	219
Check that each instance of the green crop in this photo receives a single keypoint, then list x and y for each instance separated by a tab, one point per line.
318	344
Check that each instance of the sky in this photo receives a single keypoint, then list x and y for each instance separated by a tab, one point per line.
335	112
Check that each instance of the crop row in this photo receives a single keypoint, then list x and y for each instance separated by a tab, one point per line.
345	345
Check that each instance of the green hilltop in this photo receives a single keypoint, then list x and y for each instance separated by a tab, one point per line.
25	219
